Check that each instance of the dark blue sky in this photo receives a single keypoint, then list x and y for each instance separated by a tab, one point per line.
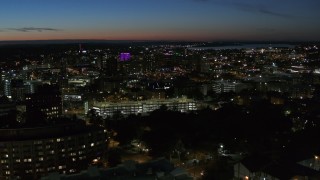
206	20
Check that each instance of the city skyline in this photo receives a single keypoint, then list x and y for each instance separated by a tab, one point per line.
199	20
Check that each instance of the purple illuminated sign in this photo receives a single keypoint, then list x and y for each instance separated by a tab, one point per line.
125	56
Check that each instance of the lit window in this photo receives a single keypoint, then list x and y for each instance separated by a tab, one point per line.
3	161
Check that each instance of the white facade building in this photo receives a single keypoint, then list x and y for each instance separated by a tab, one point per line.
135	107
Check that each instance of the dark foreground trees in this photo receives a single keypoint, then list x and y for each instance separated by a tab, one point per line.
261	126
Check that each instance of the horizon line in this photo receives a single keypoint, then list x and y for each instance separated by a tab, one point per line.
226	40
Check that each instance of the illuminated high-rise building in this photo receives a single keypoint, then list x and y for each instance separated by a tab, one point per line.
7	87
5	84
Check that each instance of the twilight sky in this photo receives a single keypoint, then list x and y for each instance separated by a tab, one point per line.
206	20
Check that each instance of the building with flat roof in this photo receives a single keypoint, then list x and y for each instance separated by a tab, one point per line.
7	111
47	100
161	169
30	153
136	107
227	86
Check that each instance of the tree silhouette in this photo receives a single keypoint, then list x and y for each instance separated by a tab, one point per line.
218	169
114	157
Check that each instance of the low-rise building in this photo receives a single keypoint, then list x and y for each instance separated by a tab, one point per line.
266	169
136	107
160	169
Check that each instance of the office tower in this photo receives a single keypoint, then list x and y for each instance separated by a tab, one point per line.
7	87
110	66
5	84
45	104
7	112
2	77
17	90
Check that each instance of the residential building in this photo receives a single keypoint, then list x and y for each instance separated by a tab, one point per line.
29	153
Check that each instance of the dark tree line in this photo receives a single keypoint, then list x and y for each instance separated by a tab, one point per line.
261	126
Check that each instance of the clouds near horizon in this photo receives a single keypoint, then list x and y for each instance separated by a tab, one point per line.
32	29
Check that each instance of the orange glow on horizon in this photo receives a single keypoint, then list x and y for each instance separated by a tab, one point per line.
111	35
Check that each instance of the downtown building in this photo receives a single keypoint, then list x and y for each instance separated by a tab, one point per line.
46	102
7	111
66	148
105	109
46	142
227	86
